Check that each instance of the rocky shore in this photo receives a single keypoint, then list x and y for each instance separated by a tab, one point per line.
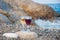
43	34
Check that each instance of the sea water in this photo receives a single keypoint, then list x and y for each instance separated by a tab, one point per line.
55	6
48	24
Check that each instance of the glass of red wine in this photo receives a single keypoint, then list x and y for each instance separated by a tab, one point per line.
27	21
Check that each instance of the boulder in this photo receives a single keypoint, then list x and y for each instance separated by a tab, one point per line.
37	10
33	9
27	35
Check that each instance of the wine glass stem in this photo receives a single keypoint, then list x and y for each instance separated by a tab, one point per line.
23	26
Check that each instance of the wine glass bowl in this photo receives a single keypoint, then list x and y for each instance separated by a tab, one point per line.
26	21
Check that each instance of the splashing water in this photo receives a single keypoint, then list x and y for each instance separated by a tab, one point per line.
47	24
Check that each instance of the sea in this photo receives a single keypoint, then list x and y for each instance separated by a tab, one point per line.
56	7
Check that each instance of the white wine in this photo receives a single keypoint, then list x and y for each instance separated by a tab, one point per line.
22	21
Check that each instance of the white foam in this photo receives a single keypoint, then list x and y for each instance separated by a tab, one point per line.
47	24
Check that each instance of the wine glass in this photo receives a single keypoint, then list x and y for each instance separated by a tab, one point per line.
26	22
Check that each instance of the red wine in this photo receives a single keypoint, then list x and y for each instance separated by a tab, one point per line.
28	21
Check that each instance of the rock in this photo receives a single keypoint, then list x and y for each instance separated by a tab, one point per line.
13	15
27	35
11	36
37	10
33	9
47	38
4	19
